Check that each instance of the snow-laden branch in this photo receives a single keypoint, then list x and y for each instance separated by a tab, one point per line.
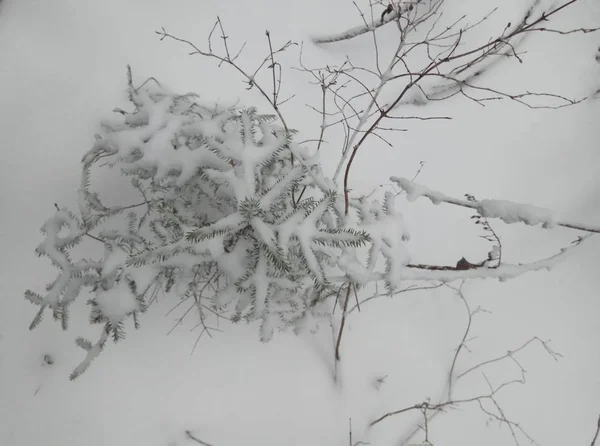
502	272
506	211
367	27
92	352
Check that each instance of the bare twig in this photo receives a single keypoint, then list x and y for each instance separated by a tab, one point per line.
510	355
431	410
404	290
196	439
469	58
229	60
597	432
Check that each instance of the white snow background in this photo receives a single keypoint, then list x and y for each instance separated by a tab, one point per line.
62	69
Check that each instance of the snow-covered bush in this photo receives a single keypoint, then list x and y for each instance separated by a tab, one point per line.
237	219
235	216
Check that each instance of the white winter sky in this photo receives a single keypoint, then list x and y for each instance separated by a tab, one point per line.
62	69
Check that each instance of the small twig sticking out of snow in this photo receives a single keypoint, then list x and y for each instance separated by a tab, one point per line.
379	381
196	439
350	431
47	361
506	211
341	331
596	434
350	441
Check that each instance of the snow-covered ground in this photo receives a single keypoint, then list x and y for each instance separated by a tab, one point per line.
62	69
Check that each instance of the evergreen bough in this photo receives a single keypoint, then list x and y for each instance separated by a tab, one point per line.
235	215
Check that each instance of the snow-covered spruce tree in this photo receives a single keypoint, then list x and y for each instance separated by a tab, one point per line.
236	216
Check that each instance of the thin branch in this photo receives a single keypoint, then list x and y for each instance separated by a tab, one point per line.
510	355
431	410
404	290
472	56
227	59
597	432
341	331
196	439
